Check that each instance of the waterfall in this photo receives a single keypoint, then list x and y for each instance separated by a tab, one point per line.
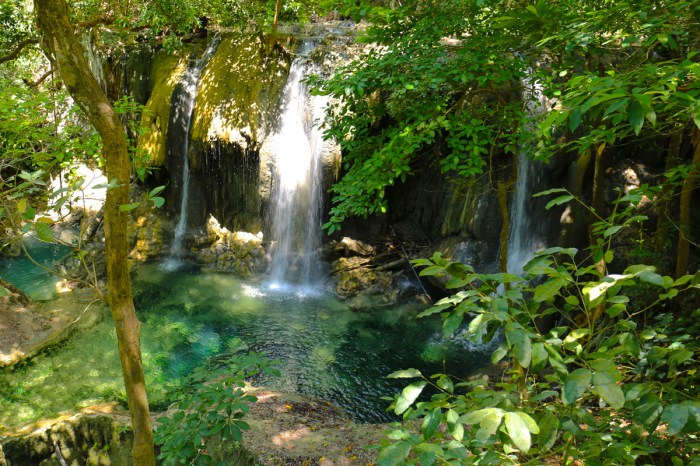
528	218
296	200
178	139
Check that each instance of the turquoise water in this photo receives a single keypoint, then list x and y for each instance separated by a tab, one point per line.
325	349
25	275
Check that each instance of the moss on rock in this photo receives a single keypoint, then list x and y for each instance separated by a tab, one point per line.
239	91
167	71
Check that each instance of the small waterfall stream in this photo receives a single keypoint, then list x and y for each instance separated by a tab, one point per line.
296	200
528	225
178	139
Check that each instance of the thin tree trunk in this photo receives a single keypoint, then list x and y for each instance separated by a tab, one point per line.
672	160
278	8
574	216
684	217
598	196
63	48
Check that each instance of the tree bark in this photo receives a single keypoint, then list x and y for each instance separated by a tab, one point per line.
278	8
672	161
684	217
64	49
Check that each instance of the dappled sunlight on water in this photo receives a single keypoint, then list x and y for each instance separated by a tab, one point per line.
325	349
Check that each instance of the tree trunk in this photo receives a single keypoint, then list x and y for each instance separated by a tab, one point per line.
278	8
574	216
684	217
672	161
64	49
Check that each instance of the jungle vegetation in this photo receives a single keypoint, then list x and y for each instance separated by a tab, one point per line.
463	85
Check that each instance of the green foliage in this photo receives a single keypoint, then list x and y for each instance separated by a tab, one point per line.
463	94
205	423
613	381
444	84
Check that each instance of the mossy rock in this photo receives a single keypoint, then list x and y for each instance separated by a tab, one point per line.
239	91
168	69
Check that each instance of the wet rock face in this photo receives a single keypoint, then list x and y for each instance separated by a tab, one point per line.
237	252
80	439
146	235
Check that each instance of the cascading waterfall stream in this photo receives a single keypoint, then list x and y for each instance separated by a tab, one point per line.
528	228
296	226
178	139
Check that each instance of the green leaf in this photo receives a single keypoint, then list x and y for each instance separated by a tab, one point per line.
489	424
574	119
549	430
651	277
445	383
575	385
44	232
404	374
529	422
612	230
648	411
636	116
605	386
539	357
518	431
550	191
499	353
408	396
158	202
478	416
520	344
394	454
127	207
431	423
452	322
155	191
558	201
548	289
675	416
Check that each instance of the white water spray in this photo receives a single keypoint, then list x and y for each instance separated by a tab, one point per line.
296	204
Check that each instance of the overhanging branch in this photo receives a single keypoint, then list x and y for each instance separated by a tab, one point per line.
18	49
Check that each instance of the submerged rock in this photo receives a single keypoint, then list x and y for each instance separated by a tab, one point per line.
94	438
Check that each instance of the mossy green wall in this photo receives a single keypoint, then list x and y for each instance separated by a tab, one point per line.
167	71
239	92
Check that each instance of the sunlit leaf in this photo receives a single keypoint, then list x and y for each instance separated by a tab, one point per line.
394	454
404	374
44	232
408	396
606	387
518	431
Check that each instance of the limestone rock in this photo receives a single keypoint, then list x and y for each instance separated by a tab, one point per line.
96	439
237	252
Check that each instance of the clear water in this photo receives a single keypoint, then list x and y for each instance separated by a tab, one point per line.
37	283
325	349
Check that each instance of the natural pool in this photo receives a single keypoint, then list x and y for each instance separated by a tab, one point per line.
325	349
36	282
